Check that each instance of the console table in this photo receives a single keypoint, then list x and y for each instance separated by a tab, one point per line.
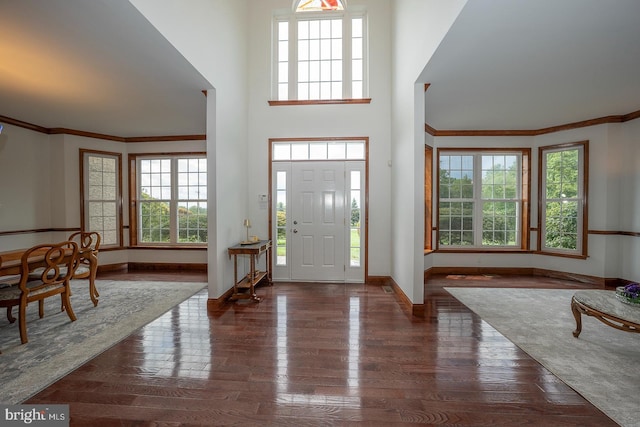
245	288
604	306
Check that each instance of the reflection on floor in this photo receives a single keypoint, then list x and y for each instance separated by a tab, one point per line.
321	354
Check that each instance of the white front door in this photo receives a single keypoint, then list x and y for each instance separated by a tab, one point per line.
317	221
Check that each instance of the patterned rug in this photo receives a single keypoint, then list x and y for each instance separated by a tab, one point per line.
601	365
57	346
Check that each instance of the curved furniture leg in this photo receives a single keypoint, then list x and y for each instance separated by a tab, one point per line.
67	305
93	292
22	322
576	313
10	317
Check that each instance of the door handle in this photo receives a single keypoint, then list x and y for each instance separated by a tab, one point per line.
295	231
295	222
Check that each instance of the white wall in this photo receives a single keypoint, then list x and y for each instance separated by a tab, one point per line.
25	185
40	176
418	26
359	120
629	189
212	36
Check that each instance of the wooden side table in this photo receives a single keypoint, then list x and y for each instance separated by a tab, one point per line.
245	287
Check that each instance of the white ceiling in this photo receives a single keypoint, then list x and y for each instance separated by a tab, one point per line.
532	64
95	66
99	66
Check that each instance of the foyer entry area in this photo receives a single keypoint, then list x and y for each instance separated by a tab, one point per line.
318	210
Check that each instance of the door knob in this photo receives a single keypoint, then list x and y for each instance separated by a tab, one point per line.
295	222
295	231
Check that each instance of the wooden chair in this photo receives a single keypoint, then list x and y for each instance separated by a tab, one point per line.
88	244
57	263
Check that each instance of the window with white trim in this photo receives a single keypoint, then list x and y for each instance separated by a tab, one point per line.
171	199
102	192
563	191
481	199
320	52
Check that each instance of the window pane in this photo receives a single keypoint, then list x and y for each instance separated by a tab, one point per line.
355	150
336	49
299	151
172	204
281	218
303	30
314	29
336	150
499	224
561	225
355	180
101	194
497	194
283	91
319	39
192	222
283	30
318	151
356	90
283	53
563	199
356	48
281	151
154	222
356	70
356	27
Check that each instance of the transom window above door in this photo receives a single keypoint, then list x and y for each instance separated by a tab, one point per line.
318	150
319	52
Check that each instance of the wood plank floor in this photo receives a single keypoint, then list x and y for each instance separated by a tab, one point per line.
321	354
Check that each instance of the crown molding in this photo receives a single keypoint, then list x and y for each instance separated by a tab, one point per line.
534	132
67	131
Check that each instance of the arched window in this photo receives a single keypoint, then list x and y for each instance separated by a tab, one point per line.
320	52
318	5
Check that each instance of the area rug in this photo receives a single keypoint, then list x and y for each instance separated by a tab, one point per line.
602	364
57	346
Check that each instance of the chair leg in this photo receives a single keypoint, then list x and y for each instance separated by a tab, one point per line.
10	317
22	322
93	271
41	308
93	292
67	305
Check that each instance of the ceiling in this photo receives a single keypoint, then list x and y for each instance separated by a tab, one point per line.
95	66
532	64
99	66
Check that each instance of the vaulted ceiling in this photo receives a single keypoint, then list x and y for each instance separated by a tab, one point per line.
95	66
533	64
99	66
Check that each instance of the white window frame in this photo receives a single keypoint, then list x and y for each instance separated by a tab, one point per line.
173	201
293	18
478	200
92	179
579	199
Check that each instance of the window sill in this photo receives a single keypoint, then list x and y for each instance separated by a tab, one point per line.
170	247
321	102
483	251
561	254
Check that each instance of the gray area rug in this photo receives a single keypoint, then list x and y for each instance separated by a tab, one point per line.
602	364
57	346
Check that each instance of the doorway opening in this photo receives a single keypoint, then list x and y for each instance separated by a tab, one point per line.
319	209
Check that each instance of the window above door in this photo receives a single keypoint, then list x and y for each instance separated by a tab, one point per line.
319	54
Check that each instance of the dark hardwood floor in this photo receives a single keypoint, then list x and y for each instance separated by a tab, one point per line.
321	354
